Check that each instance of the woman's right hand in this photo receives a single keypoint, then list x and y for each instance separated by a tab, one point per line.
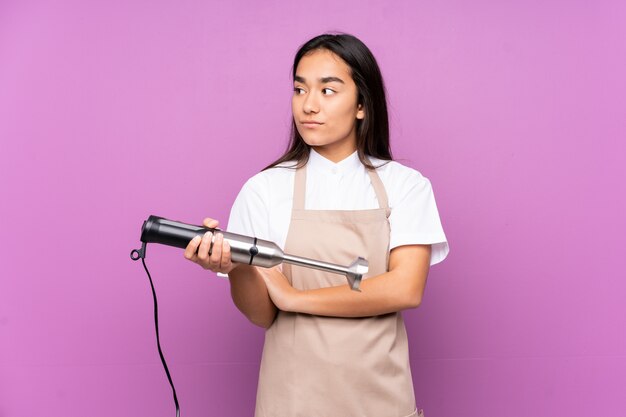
211	251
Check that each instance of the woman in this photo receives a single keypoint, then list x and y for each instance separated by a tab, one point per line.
336	194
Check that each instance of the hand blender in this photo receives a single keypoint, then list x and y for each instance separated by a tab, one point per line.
244	249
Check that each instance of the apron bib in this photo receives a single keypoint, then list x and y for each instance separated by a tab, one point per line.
317	366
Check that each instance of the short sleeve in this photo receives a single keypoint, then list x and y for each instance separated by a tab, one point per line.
414	217
249	213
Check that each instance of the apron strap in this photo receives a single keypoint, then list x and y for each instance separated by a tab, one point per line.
379	189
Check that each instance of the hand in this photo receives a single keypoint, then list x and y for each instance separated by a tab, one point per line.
211	251
283	295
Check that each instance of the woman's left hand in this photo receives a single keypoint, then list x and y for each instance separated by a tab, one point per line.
283	295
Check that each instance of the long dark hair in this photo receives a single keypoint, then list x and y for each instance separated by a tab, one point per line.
372	137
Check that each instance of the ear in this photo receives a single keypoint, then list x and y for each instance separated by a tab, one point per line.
360	113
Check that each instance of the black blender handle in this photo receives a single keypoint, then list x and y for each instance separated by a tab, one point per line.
172	233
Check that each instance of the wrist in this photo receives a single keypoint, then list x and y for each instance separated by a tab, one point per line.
239	270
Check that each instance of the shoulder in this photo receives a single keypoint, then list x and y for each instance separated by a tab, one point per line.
395	168
269	181
400	180
258	200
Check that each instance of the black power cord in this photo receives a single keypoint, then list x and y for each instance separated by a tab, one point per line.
141	253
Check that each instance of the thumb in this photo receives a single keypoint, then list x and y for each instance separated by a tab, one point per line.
209	222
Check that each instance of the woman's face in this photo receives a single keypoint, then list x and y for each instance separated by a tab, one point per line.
324	104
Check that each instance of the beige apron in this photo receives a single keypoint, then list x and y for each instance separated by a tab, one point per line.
317	366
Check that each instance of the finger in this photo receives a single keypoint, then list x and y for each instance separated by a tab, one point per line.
192	247
209	222
205	247
216	254
226	262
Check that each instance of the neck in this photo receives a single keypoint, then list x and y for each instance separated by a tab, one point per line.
336	152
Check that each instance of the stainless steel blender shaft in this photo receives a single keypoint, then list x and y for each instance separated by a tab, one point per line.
267	254
354	272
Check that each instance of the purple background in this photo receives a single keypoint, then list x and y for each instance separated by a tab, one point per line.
111	111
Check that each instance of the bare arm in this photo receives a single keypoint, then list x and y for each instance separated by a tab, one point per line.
400	288
249	293
247	287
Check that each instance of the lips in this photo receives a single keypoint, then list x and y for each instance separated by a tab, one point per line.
310	123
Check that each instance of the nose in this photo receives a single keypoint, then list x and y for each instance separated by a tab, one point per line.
311	103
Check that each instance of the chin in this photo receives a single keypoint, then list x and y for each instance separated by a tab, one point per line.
314	142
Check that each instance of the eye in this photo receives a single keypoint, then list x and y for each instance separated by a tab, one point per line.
328	91
298	90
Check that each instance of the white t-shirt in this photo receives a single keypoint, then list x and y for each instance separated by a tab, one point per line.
263	206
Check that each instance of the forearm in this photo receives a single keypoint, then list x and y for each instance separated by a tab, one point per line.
400	288
382	294
249	293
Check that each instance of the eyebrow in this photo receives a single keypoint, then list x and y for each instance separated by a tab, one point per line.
323	80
